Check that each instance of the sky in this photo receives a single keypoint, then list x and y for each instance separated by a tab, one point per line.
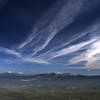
41	36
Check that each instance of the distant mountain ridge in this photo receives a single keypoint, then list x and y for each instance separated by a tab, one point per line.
56	75
10	74
52	75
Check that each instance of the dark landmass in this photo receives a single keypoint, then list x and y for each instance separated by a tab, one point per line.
52	75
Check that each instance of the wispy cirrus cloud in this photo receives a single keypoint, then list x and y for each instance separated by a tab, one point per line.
26	42
70	49
62	16
91	56
19	57
69	41
10	51
50	24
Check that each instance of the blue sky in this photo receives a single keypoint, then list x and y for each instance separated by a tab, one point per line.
50	36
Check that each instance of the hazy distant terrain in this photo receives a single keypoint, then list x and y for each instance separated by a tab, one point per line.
50	87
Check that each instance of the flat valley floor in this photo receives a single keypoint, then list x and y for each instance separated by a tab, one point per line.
27	88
